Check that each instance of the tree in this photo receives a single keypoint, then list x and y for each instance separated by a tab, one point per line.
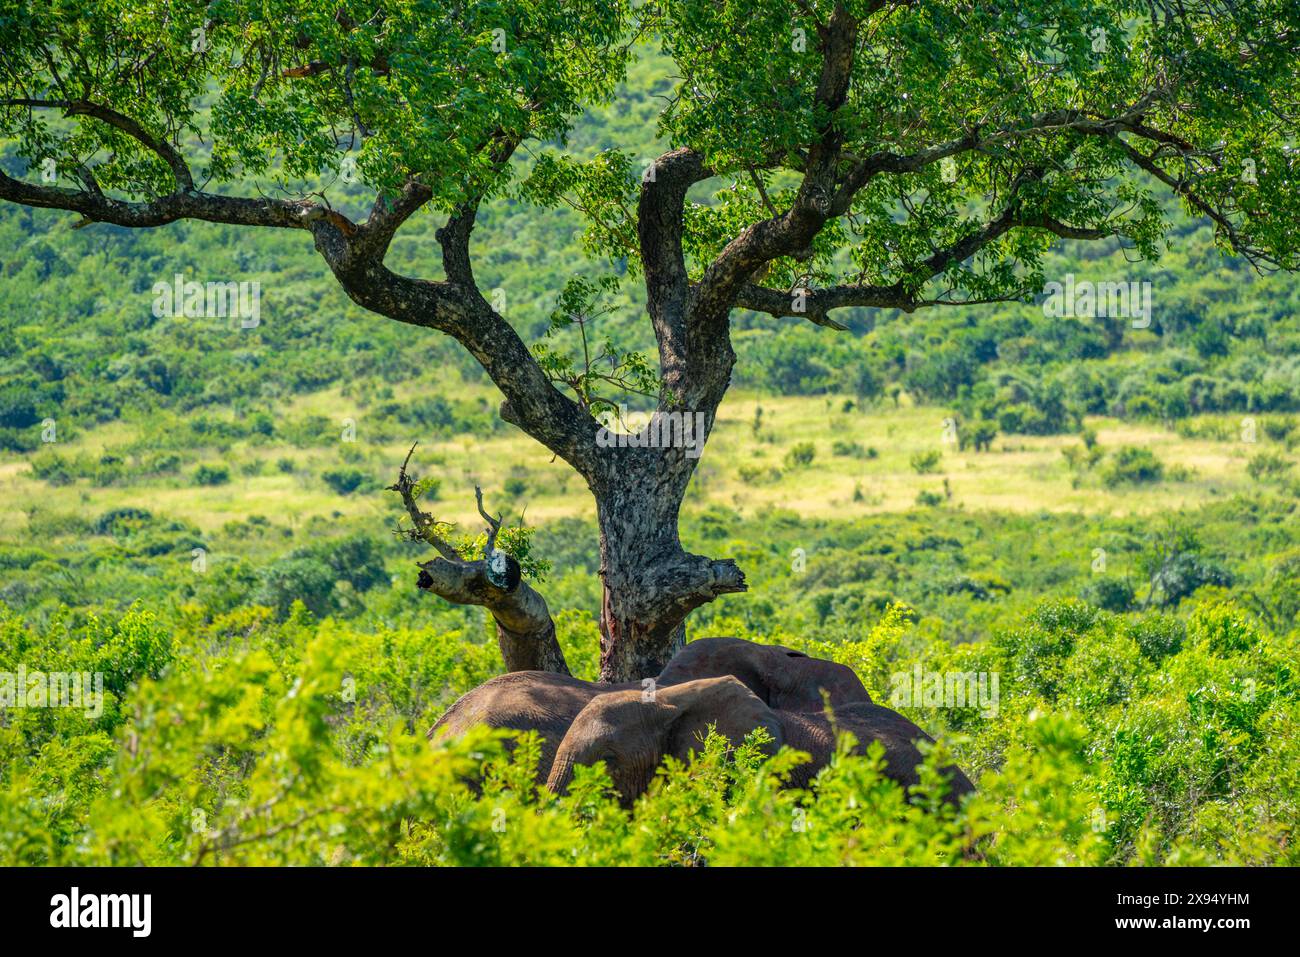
1175	567
825	157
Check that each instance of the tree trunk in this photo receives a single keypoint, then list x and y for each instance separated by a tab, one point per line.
649	582
638	631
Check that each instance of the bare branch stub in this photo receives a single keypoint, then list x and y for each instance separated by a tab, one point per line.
424	525
525	630
494	524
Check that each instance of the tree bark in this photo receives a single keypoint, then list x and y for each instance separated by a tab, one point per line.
638	631
650	583
525	629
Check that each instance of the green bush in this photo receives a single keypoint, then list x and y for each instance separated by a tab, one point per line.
1159	636
231	739
1109	593
927	462
800	455
854	450
344	481
1132	465
1267	466
304	580
211	475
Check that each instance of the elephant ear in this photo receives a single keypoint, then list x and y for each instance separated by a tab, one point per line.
690	708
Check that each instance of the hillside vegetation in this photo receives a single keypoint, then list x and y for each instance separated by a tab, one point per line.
1105	517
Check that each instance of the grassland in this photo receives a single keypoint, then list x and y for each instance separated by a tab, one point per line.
863	463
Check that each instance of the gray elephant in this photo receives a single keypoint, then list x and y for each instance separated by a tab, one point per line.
547	702
632	733
784	678
540	701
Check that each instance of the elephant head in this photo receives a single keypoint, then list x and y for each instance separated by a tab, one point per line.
633	731
783	678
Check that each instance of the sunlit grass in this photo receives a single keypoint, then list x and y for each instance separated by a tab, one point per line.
744	467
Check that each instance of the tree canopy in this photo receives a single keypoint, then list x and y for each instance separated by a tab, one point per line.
819	156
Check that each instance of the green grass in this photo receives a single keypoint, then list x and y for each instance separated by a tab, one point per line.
742	468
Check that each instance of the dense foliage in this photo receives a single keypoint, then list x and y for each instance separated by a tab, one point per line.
238	740
269	667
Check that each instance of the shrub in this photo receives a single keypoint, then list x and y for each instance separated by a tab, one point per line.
1109	593
800	455
1280	428
927	462
261	423
1267	466
306	579
516	486
1132	465
854	450
1159	636
344	481
1141	407
1183	573
122	521
17	408
164	463
211	475
1111	744
54	468
982	435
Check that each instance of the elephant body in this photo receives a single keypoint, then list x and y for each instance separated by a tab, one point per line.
540	701
547	702
633	734
731	683
867	723
783	678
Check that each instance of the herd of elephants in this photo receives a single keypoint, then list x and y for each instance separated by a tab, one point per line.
730	684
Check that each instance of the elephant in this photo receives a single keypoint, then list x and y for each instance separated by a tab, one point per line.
785	679
541	701
632	733
547	702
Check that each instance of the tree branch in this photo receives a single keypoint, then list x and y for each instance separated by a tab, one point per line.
192	204
355	256
387	216
814	304
1240	245
525	630
793	231
163	149
982	138
660	212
